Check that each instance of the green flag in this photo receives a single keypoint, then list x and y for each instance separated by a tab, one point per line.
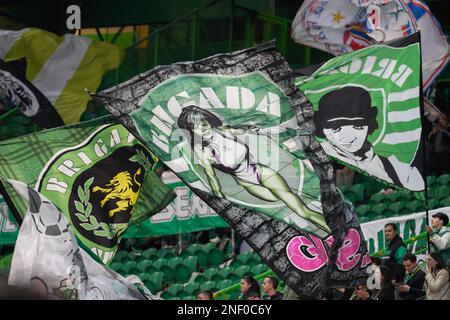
8	225
94	172
367	111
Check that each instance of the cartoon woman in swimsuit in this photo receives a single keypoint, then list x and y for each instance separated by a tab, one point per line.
215	146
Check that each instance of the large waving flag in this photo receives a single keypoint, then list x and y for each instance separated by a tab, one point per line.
237	131
367	111
343	26
61	67
49	264
96	172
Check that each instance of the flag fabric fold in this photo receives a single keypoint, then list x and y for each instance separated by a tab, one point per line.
96	172
343	26
238	132
49	264
61	68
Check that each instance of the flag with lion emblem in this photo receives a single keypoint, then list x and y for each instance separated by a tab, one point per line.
94	172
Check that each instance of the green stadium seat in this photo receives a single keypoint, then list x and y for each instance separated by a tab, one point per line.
443	179
415	206
362	210
149	252
398	208
174	289
225	272
359	191
190	298
191	288
128	266
191	262
156	280
445	202
210	273
259	268
377	198
120	255
116	266
441	192
143	265
433	204
379	209
224	284
143	276
233	277
168	296
174	262
242	270
182	295
394	196
193	248
215	257
200	279
431	180
162	265
209	285
166	253
185	254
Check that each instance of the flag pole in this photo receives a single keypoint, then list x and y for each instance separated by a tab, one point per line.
422	119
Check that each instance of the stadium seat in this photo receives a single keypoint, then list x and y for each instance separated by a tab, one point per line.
215	257
379	209
431	180
242	270
190	298
225	272
445	202
233	277
191	288
120	255
162	265
191	262
394	196
443	179
358	190
116	266
376	198
174	262
210	273
200	279
182	295
209	285
415	206
166	253
362	210
174	289
148	253
259	268
156	280
398	208
433	204
128	266
441	192
143	276
143	265
224	284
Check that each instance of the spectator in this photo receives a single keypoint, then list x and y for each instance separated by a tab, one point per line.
440	235
394	253
205	295
387	288
361	293
270	286
437	278
249	286
412	287
439	139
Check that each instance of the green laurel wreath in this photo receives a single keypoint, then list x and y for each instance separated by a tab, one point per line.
84	207
143	160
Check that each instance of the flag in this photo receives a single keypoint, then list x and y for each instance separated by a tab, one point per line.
61	68
49	264
367	111
96	172
8	225
343	26
17	91
235	129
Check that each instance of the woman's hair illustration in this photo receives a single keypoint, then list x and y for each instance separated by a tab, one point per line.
345	106
191	115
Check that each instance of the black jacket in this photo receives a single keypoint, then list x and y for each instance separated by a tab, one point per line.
415	283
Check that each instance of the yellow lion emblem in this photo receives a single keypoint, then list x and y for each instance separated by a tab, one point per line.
120	187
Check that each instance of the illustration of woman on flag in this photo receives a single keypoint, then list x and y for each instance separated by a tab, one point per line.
216	147
345	118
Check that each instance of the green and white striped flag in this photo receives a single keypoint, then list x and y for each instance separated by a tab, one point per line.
96	172
367	111
61	67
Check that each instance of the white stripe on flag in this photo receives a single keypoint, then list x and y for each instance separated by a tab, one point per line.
199	185
61	66
178	165
7	40
404	116
404	95
402	137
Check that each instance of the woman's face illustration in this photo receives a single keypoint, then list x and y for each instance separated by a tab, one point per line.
349	138
203	129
